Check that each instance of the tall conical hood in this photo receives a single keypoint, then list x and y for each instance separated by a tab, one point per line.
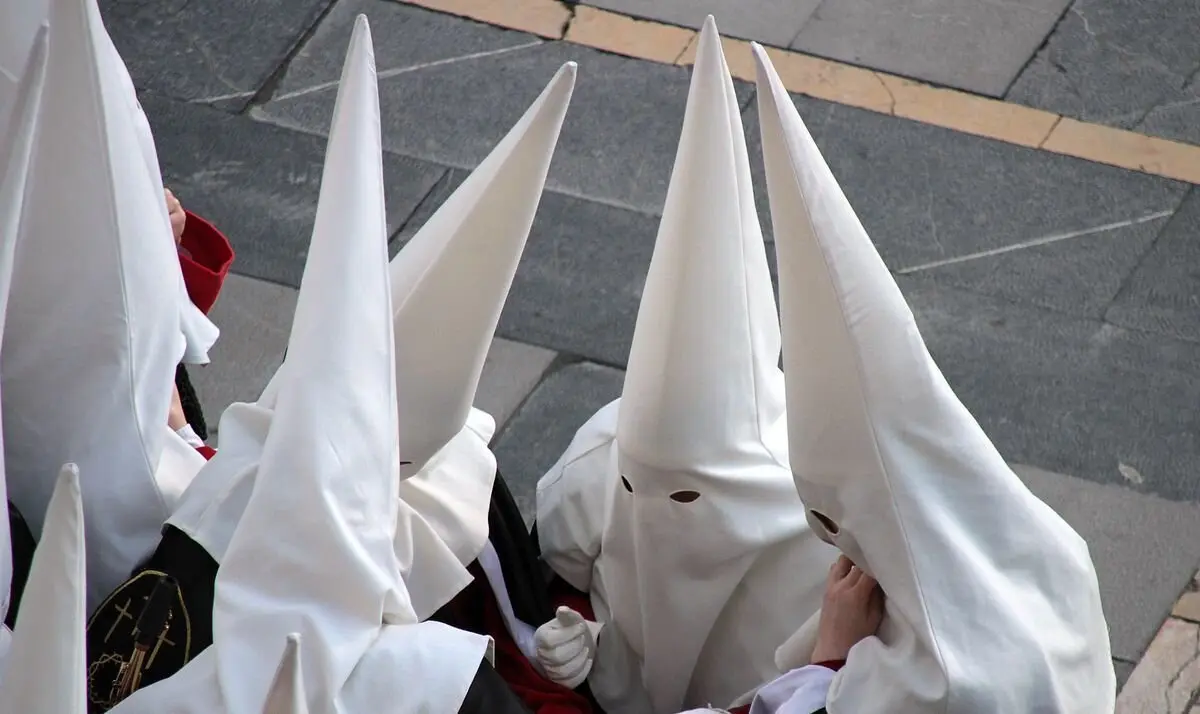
907	484
702	486
450	282
286	695
96	272
16	143
313	552
47	667
703	381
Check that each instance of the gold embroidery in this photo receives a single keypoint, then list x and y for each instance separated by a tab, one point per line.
115	674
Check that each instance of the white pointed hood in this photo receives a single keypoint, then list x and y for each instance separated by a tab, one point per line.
19	23
449	284
992	600
47	669
698	487
16	143
312	554
286	695
86	314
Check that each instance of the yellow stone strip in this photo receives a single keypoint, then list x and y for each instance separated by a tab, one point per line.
1168	676
843	84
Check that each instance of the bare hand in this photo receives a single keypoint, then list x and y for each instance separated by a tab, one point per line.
851	612
175	417
178	217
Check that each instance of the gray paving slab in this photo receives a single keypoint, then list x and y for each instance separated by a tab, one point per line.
218	51
1163	295
259	183
927	195
1072	395
406	38
976	46
1115	61
1177	116
580	279
510	373
255	318
1123	669
1143	548
772	22
1079	274
544	426
617	144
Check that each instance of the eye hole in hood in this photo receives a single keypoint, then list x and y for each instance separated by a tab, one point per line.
685	496
824	526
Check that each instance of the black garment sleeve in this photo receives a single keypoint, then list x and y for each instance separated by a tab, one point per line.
23	546
490	695
192	410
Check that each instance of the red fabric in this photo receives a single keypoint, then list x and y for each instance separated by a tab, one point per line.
205	256
477	604
744	709
207	452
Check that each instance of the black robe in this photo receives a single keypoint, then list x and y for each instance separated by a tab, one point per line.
23	545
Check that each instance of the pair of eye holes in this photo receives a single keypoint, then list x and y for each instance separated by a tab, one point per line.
678	496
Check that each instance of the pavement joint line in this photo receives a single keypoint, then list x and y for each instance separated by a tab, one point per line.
1035	242
842	83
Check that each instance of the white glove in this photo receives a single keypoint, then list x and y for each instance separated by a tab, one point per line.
566	647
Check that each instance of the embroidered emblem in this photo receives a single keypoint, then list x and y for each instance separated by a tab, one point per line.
139	635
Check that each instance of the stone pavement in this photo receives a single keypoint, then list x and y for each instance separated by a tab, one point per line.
1048	252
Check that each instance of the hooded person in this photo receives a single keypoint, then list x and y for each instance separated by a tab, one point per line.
16	142
313	553
45	673
703	561
90	345
302	504
992	602
460	539
204	252
449	284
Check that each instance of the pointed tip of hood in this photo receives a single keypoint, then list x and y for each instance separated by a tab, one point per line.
313	551
465	256
47	662
846	326
702	382
287	695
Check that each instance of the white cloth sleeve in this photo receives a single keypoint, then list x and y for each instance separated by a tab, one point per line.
188	434
800	691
